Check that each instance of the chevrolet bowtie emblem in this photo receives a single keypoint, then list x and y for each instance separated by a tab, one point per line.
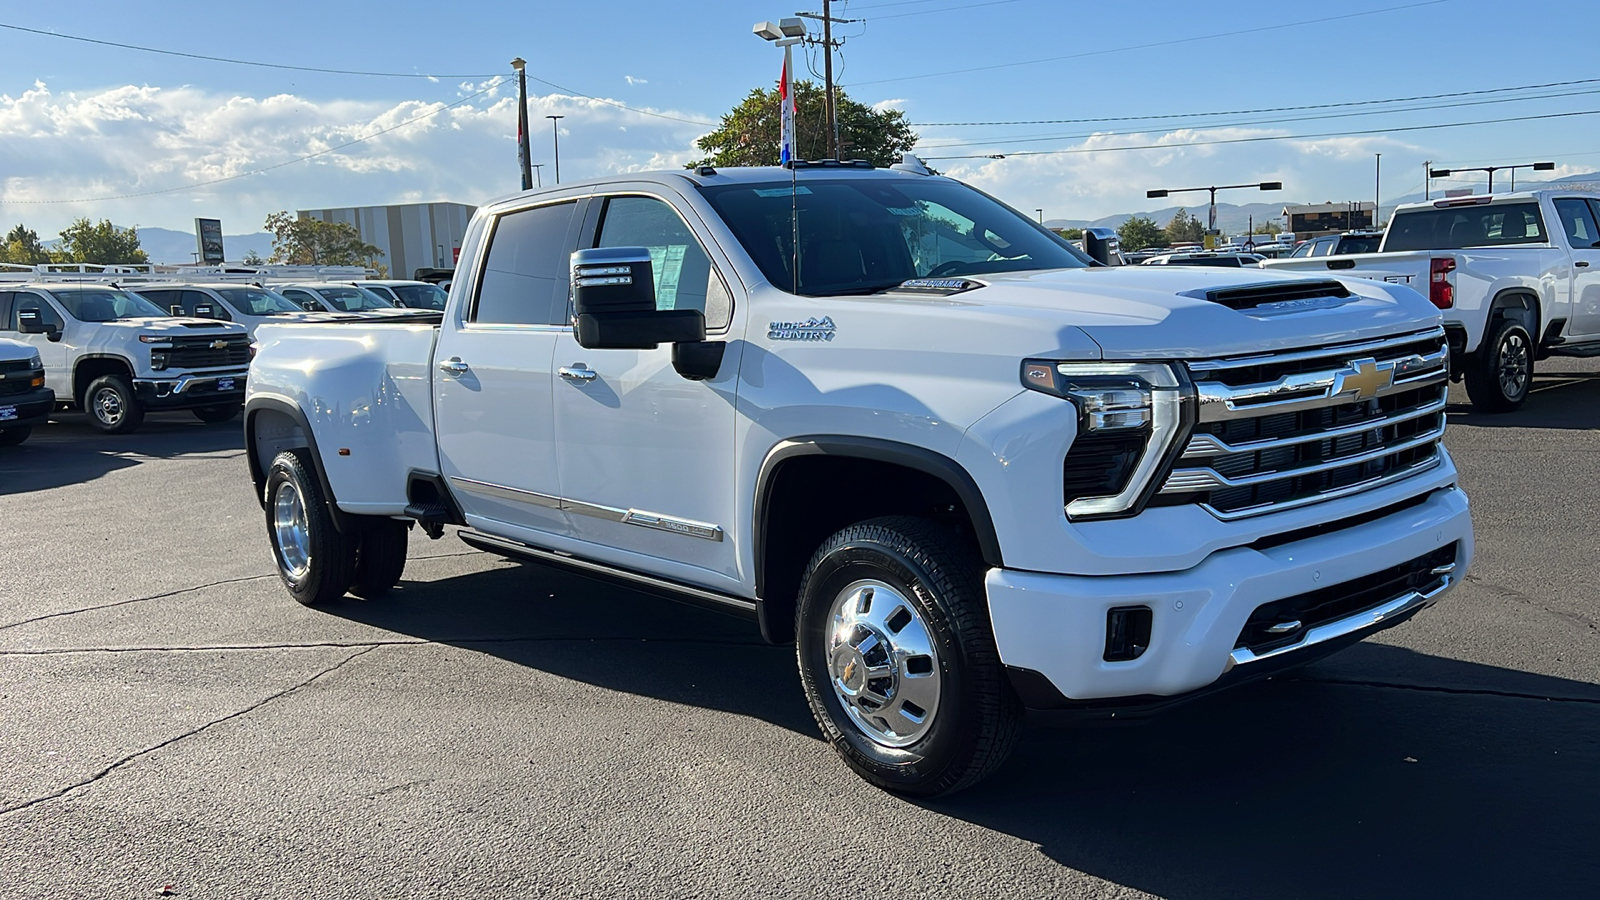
1363	378
219	345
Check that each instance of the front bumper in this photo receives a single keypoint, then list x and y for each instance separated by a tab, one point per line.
191	390
1051	629
27	409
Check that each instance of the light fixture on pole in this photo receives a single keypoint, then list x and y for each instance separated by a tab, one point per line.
785	33
1211	222
1040	211
555	132
538	176
524	156
1537	167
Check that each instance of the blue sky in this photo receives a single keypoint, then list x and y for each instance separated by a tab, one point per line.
81	122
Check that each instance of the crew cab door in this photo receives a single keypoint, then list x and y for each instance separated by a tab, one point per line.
646	455
57	372
492	374
1579	217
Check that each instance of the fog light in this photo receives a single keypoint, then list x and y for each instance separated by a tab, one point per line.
1127	632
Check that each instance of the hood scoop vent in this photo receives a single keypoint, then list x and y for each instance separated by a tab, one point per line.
1277	296
942	287
203	324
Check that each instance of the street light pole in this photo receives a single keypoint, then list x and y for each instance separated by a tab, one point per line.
1211	222
1040	211
555	132
1537	167
1377	191
538	175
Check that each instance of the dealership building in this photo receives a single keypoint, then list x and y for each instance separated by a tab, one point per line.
412	236
1317	219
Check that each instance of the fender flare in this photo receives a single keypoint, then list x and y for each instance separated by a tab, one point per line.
258	474
910	456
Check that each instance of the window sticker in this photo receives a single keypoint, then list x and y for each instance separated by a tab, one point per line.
780	192
667	263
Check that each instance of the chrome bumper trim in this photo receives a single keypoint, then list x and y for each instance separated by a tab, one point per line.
1405	603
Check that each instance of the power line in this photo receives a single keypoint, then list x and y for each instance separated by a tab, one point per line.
224	59
200	184
929	12
1187	40
1033	139
1269	109
1280	137
267	65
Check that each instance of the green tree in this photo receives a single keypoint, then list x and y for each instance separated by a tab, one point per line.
1185	227
22	245
1070	234
102	242
749	135
313	242
252	258
1140	232
1268	228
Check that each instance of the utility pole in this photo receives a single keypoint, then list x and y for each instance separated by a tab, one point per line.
1377	190
832	103
1427	179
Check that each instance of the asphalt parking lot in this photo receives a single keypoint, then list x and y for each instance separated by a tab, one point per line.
170	717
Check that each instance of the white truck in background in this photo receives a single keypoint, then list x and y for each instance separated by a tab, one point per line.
1516	277
964	468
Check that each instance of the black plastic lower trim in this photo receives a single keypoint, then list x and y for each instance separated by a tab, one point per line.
33	408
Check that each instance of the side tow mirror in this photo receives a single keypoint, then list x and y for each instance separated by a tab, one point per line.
204	311
1102	246
29	322
614	303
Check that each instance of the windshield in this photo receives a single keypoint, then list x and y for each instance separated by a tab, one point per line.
258	302
420	296
860	236
1366	243
106	304
353	299
1453	228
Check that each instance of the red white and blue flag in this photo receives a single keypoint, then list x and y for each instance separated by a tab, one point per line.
786	96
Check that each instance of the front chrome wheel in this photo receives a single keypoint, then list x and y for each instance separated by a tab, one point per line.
108	407
883	664
291	531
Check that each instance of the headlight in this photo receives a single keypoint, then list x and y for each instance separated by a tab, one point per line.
1129	416
36	362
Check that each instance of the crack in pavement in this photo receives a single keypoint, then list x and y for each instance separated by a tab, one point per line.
1512	594
187	734
185	590
414	642
1440	689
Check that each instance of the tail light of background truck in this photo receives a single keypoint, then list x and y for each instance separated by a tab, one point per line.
1440	291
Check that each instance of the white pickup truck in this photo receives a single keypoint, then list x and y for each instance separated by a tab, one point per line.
1517	277
963	467
116	355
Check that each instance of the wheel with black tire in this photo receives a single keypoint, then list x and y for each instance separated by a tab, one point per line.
316	561
381	558
215	415
112	406
898	660
1498	381
10	437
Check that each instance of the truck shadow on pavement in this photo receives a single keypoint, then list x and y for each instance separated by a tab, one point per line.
1379	772
1557	400
68	451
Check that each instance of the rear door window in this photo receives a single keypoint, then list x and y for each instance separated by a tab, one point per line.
1578	221
525	274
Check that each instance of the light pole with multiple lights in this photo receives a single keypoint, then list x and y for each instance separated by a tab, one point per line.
1211	222
1537	167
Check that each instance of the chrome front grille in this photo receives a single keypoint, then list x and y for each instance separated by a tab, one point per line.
1285	430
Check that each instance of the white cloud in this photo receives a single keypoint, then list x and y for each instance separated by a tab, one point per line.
632	80
884	105
138	139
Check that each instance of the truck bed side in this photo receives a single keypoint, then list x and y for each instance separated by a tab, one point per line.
364	392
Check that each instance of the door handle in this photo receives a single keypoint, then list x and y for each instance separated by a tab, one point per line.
453	366
578	373
1582	264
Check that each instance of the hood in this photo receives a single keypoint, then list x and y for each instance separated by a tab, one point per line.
178	325
1163	312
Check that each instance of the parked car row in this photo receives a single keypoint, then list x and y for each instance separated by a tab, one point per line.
118	344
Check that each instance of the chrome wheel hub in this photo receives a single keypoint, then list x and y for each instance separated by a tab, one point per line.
1513	366
882	663
107	406
291	532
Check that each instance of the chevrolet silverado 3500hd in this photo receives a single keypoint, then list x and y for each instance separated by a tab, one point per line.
962	467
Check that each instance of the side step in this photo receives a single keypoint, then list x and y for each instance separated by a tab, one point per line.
432	517
1581	351
671	590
